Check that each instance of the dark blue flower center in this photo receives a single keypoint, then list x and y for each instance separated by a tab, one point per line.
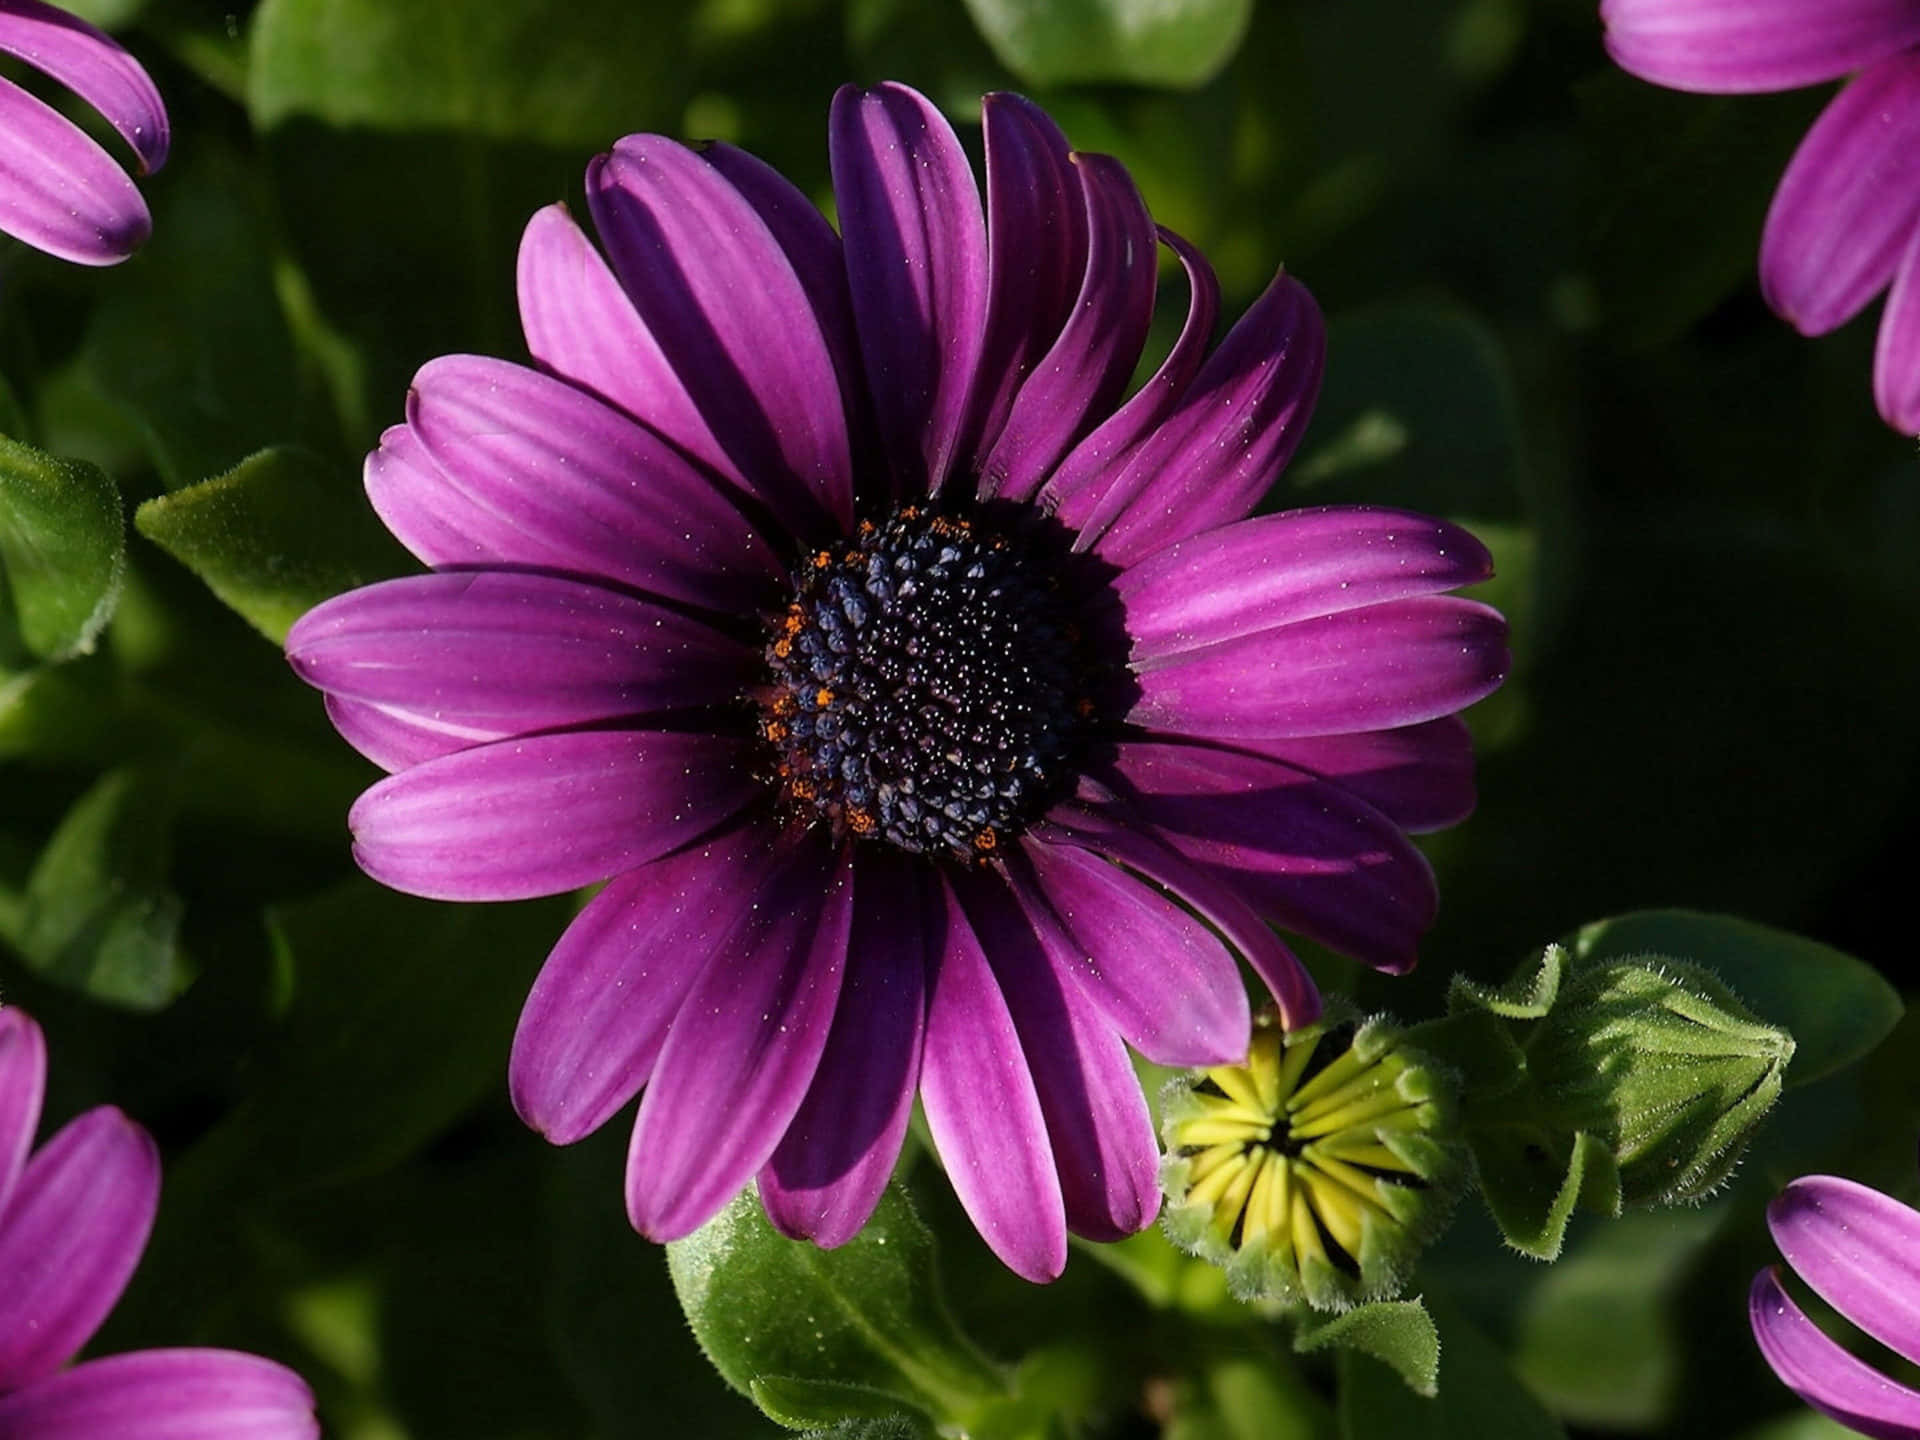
927	686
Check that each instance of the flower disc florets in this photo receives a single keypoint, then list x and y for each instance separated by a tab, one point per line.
926	685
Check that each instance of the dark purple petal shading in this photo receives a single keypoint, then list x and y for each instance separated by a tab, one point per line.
1308	855
546	813
70	1239
499	653
165	1395
1821	1373
744	1046
1278	569
1084	476
1378	668
1726	47
1108	832
1163	979
59	191
828	1171
91	63
1418	776
984	1112
1859	1249
23	1083
597	1016
916	248
394	739
530	471
714	286
1896	357
1080	378
1211	459
1847	206
1095	1112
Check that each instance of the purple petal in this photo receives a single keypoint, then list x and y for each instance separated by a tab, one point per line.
165	1395
70	1239
59	191
597	1015
23	1084
90	63
1096	1115
712	283
1378	668
499	653
1418	776
1104	832
529	471
1859	1249
394	739
1085	475
916	261
1821	1373
984	1112
1279	569
1846	208
1308	855
1896	359
1749	46
1089	365
830	1168
546	813
1217	453
743	1049
1163	979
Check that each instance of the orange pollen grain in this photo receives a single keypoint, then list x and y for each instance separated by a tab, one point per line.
985	841
859	821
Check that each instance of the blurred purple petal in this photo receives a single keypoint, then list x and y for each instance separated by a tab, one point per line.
1896	358
1745	46
91	63
59	191
1821	1373
23	1083
1419	776
1859	1249
165	1395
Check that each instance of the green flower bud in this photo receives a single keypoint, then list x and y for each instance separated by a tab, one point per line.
1318	1170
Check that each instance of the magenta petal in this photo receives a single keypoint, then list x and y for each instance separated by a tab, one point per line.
984	1112
830	1168
1387	665
394	739
1163	979
1896	358
1298	565
1824	1375
1095	1112
23	1083
70	1238
743	1049
715	287
916	262
1845	210
165	1395
59	191
1418	776
92	64
1751	46
546	813
1216	454
1859	1249
530	471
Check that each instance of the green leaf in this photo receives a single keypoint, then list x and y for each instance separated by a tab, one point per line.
1399	1333
1479	1396
819	1404
273	537
1837	1008
1177	43
97	914
866	1315
62	547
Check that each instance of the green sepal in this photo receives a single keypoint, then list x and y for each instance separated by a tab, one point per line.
1533	1181
1399	1333
1480	1397
62	548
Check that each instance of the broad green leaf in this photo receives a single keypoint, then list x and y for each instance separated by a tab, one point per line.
273	537
97	914
1180	43
1479	1398
62	548
1837	1008
1398	1333
802	1404
866	1315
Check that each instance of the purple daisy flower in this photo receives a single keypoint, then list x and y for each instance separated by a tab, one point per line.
74	1218
1845	222
59	191
1860	1250
940	717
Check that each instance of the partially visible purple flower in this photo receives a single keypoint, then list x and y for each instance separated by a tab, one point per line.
74	1217
59	191
1845	221
1860	1251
